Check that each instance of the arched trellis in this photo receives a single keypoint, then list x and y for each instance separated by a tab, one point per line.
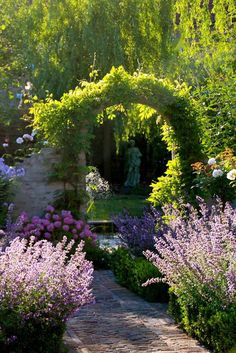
67	123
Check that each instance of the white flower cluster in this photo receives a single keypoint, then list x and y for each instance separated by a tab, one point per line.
217	173
231	175
211	161
96	186
26	137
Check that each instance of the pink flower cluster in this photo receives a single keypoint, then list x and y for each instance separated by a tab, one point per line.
53	226
41	280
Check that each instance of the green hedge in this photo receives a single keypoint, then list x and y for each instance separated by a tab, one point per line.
33	335
213	328
99	257
133	272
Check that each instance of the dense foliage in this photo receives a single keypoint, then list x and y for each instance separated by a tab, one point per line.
197	258
67	123
40	285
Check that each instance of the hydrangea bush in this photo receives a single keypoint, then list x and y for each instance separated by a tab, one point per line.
40	287
52	226
197	257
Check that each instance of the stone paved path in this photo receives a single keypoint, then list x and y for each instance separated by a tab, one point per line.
122	322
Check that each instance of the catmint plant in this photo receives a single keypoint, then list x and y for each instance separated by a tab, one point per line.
138	233
41	285
197	253
40	279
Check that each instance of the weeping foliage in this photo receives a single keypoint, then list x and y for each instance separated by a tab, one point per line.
207	31
60	41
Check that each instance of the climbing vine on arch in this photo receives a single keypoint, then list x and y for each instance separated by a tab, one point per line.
68	123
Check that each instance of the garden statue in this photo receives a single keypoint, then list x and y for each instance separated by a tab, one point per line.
133	162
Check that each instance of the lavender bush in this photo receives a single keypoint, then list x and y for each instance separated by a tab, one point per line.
138	234
40	283
198	253
197	256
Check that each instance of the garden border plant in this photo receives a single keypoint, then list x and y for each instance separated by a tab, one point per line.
67	124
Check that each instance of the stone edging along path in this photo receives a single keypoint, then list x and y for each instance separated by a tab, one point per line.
122	322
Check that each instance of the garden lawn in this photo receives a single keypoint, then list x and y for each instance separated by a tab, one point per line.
105	209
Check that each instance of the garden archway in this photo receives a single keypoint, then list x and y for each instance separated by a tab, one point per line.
67	123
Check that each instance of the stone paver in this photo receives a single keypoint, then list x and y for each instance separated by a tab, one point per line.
122	322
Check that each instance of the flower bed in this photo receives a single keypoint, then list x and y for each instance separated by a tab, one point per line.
197	257
52	226
40	287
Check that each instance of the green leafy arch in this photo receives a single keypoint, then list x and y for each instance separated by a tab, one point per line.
67	124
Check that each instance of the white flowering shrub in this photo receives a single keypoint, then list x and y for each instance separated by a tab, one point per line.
96	186
217	177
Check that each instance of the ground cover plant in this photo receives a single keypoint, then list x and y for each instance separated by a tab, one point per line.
40	287
197	257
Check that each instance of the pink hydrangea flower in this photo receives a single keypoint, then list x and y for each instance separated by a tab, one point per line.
47	235
50	208
56	217
65	213
57	224
68	220
50	227
66	228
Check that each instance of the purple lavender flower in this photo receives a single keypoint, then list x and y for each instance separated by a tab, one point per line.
39	279
66	228
50	208
197	252
138	234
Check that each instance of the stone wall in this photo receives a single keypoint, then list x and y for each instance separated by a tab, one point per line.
35	191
